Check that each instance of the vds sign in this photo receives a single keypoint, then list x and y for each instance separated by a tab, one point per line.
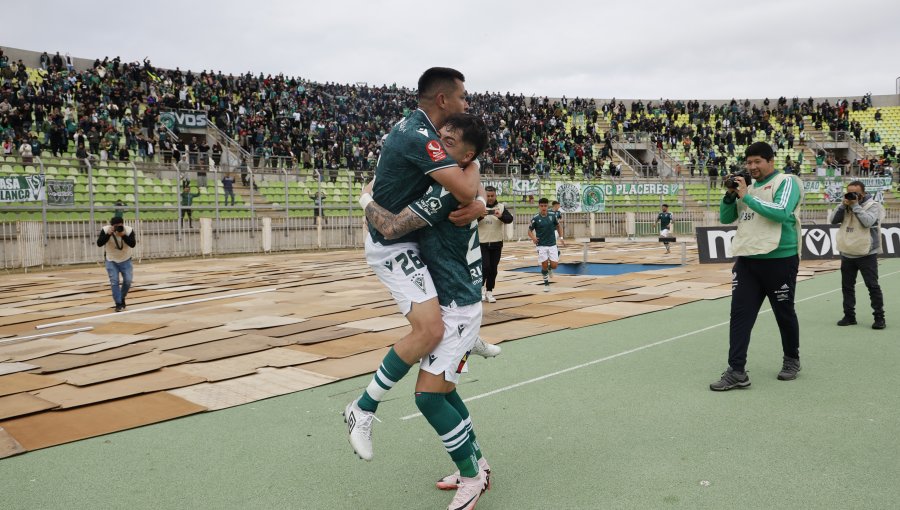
184	119
818	242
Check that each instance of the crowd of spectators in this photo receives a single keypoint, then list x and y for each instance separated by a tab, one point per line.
112	110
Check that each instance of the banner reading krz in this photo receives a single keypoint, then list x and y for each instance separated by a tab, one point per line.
819	242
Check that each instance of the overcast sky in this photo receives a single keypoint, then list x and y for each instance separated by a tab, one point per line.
708	49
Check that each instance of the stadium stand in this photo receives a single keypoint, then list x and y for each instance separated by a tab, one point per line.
327	136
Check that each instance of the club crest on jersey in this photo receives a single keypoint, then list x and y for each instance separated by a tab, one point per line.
460	329
389	265
435	151
419	281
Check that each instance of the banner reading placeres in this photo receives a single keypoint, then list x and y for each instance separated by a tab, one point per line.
819	242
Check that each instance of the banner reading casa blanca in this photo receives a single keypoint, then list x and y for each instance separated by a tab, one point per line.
22	188
578	197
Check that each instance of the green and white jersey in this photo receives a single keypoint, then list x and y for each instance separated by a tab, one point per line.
544	228
664	219
558	214
411	151
452	254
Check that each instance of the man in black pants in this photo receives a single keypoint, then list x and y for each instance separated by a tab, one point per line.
859	241
490	233
766	248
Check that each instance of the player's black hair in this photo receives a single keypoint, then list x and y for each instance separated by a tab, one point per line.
761	149
665	205
543	201
490	188
471	128
435	78
555	202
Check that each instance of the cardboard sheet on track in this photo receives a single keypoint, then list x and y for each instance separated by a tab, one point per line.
8	445
575	319
227	348
60	362
58	427
189	339
322	335
21	404
247	364
17	383
13	367
68	396
356	344
119	369
266	383
352	366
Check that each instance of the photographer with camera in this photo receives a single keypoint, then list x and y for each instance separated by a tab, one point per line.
118	240
859	241
766	247
490	233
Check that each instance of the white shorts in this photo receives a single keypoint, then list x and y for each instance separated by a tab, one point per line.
461	327
664	233
402	271
548	253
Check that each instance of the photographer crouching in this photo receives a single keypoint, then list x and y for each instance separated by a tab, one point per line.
118	240
859	241
767	256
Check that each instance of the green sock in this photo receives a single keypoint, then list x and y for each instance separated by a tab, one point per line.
392	369
447	422
546	274
457	402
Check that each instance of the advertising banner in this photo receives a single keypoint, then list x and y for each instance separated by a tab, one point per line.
22	188
819	242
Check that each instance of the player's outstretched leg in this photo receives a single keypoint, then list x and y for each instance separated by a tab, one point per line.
360	413
484	349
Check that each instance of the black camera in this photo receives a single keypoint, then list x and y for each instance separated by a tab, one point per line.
119	228
730	183
851	196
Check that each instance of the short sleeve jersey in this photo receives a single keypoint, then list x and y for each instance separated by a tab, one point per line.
544	228
411	152
664	218
558	214
452	253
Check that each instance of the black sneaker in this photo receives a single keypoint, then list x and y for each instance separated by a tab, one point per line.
847	321
789	369
119	308
730	380
879	324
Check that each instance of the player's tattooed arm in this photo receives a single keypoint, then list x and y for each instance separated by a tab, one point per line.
393	226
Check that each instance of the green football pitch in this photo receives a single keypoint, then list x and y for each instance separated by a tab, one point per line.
617	415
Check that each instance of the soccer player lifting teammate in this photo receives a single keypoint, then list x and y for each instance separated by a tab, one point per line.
412	159
544	231
453	255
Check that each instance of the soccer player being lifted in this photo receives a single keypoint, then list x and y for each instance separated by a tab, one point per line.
413	159
453	256
543	231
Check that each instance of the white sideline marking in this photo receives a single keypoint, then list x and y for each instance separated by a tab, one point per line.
624	353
